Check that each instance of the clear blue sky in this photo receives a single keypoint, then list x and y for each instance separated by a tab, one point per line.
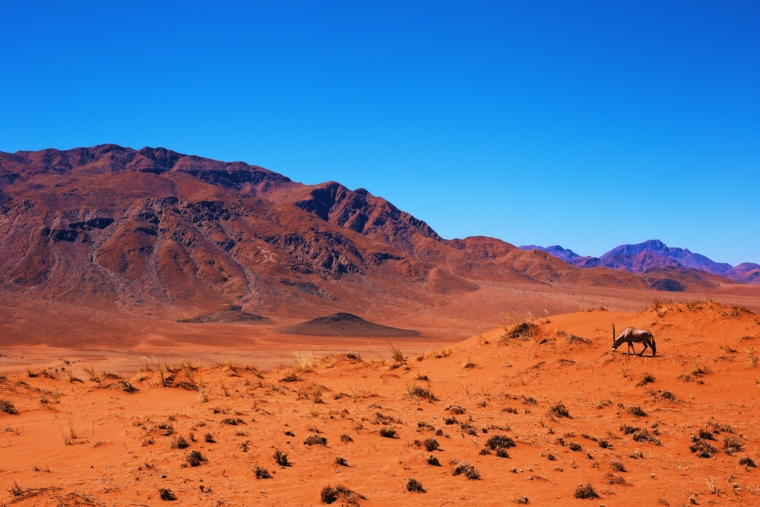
587	124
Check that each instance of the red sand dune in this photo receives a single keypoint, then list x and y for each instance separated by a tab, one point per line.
570	412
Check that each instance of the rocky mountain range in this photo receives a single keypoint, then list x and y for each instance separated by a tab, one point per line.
654	254
148	229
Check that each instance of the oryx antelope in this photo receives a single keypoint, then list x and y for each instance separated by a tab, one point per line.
631	336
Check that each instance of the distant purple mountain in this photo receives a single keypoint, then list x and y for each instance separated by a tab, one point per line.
655	254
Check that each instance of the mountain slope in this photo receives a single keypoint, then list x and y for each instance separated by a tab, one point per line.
113	227
654	254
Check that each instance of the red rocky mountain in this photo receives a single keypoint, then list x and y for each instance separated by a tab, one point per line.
109	226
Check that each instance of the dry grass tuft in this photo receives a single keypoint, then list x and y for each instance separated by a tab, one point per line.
559	410
261	473
7	407
330	494
315	440
396	353
637	411
585	491
166	494
646	379
469	471
281	458
195	458
420	392
68	432
732	444
522	331
388	432
413	486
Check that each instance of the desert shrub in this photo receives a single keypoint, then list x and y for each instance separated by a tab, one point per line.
575	446
732	444
346	438
166	494
701	448
617	466
500	441
433	460
180	443
559	410
456	409
614	479
396	353
420	392
388	433
646	379
232	421
413	486
578	339
485	451
523	331
627	430
644	436
585	491
450	420
467	470
209	438
330	494
7	407
431	444
706	434
281	458
669	396
747	462
315	440
637	411
501	452
341	461
195	458
261	473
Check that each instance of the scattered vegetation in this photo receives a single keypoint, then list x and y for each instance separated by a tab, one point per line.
165	494
261	473
646	379
522	331
585	491
281	458
413	485
500	441
433	460
346	438
467	470
732	444
315	440
431	444
330	494
7	407
420	392
388	432
572	339
637	411
195	458
559	410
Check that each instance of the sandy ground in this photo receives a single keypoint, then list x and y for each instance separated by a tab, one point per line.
626	428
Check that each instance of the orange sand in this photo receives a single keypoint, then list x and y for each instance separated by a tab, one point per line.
111	462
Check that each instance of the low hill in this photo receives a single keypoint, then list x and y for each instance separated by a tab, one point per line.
346	324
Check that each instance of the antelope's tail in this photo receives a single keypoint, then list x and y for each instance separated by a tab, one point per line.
654	347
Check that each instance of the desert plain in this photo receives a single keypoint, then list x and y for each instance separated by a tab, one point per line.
538	410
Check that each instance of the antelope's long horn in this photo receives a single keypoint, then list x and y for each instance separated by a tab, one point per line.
613	332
